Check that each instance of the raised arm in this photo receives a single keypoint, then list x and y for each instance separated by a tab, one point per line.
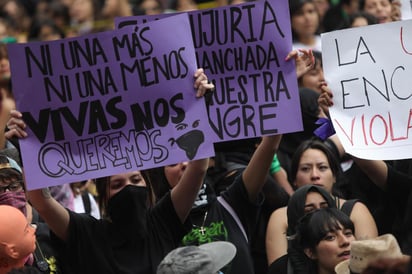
184	193
256	171
53	213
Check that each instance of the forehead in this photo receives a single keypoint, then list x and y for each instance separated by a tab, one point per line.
125	175
314	197
308	5
313	155
369	2
9	175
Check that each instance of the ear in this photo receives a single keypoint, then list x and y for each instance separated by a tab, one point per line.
310	254
10	250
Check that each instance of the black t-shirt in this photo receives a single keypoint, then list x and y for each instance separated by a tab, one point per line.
95	246
219	225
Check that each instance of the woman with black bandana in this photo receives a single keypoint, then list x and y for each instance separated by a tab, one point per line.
136	235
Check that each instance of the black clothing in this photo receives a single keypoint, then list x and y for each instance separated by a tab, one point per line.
46	254
217	223
137	246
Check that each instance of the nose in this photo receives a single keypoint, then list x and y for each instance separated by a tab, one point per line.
321	76
315	174
343	240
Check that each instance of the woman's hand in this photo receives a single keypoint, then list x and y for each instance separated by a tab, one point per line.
325	99
304	60
16	126
202	85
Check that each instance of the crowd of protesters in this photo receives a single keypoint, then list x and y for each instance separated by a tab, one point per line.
259	194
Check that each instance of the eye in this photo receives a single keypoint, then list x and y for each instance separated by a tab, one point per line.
348	233
309	209
15	186
304	169
329	237
324	205
323	168
116	184
136	180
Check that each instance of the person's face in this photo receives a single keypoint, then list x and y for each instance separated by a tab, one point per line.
119	181
12	8
173	173
381	9
306	21
314	201
352	7
82	10
151	7
333	249
4	68
313	78
314	169
3	31
322	6
11	184
359	22
110	8
48	34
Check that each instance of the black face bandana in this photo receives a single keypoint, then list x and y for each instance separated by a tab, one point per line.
128	228
127	208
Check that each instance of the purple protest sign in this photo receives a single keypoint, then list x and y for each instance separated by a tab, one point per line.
109	102
242	48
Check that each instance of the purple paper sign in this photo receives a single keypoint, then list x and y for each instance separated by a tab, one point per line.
242	49
109	102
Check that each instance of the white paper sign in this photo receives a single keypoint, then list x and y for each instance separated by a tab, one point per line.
406	11
369	71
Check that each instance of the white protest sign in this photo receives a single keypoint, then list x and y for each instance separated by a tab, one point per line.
406	10
369	71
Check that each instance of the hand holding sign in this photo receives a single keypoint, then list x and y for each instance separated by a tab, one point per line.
304	60
372	97
110	101
17	127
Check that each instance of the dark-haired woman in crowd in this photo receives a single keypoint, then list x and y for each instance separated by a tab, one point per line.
322	240
315	162
305	21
